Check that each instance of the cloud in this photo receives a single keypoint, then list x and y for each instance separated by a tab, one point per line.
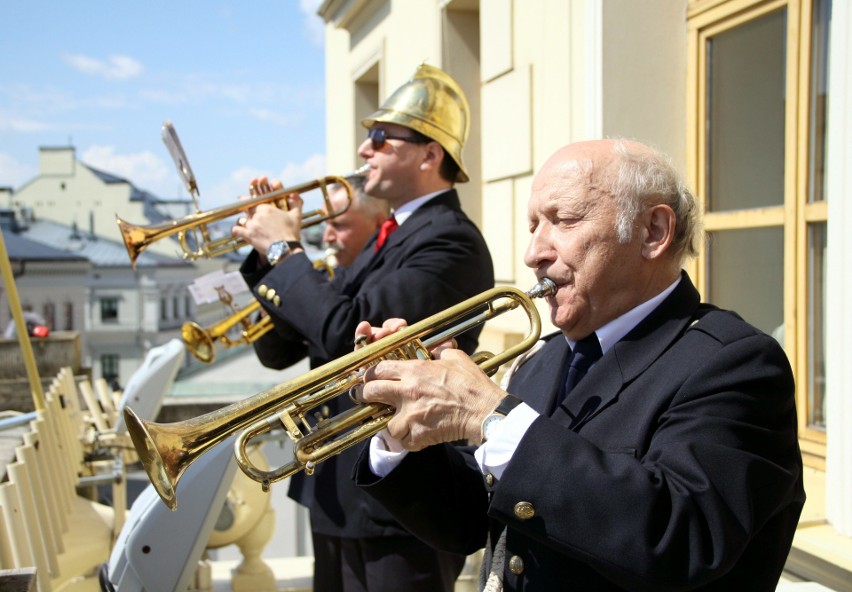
144	169
236	184
14	173
279	119
314	25
22	125
312	168
116	67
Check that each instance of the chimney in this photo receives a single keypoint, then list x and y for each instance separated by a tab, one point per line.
56	161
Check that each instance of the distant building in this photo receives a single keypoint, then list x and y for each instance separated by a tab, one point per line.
71	192
73	268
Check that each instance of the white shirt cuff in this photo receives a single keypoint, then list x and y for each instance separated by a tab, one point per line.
385	454
494	455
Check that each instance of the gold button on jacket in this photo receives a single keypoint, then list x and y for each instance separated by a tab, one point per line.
524	510
516	565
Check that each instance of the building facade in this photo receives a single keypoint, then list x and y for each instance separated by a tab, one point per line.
751	99
89	284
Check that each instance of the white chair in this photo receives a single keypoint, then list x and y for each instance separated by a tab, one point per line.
151	382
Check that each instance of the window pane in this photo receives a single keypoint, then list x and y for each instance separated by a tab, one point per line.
109	366
50	314
109	310
746	274
745	110
819	100
69	316
816	324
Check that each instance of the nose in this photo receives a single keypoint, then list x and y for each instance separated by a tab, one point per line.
365	150
540	250
328	235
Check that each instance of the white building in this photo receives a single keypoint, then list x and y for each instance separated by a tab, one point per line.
120	312
69	191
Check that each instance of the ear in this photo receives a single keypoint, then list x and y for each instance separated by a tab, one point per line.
432	157
657	230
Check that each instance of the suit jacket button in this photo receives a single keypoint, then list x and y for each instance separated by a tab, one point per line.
270	294
516	565
524	510
261	290
277	300
489	480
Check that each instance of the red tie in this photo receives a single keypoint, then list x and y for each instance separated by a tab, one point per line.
388	226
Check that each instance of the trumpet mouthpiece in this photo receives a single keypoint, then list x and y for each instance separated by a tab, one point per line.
359	172
545	287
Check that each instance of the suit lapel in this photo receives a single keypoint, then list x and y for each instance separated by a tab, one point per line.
631	356
367	260
420	218
538	380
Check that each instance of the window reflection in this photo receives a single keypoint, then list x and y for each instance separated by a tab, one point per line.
816	324
745	110
745	270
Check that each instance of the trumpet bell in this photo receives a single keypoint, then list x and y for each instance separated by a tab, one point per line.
198	341
162	477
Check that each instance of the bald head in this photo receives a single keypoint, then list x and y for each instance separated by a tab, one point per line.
610	222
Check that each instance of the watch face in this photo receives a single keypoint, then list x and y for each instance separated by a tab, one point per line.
276	251
491	422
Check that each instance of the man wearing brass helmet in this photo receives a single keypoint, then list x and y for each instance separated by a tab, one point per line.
429	257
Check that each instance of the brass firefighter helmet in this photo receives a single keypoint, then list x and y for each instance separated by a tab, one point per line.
433	104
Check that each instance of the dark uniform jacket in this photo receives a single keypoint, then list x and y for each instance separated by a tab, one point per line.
680	471
435	259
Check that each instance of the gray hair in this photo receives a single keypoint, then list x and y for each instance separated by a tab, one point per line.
642	178
369	205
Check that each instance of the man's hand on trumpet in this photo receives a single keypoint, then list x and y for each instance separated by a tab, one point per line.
266	223
442	400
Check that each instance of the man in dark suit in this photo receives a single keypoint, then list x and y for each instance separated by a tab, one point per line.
673	465
435	258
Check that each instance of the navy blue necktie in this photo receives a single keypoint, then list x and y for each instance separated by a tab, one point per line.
586	352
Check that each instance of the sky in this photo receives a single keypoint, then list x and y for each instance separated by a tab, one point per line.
242	82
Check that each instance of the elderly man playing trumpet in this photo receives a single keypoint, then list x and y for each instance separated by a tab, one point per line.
672	465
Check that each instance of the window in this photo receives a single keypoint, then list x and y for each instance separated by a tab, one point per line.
68	323
49	313
109	310
109	367
757	151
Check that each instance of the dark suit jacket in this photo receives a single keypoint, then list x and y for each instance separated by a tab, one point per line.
682	470
435	259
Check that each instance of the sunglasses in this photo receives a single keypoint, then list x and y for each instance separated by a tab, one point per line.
378	137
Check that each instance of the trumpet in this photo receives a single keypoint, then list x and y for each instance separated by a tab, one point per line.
201	341
138	238
166	450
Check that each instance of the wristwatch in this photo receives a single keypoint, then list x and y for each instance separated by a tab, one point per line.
280	249
493	419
